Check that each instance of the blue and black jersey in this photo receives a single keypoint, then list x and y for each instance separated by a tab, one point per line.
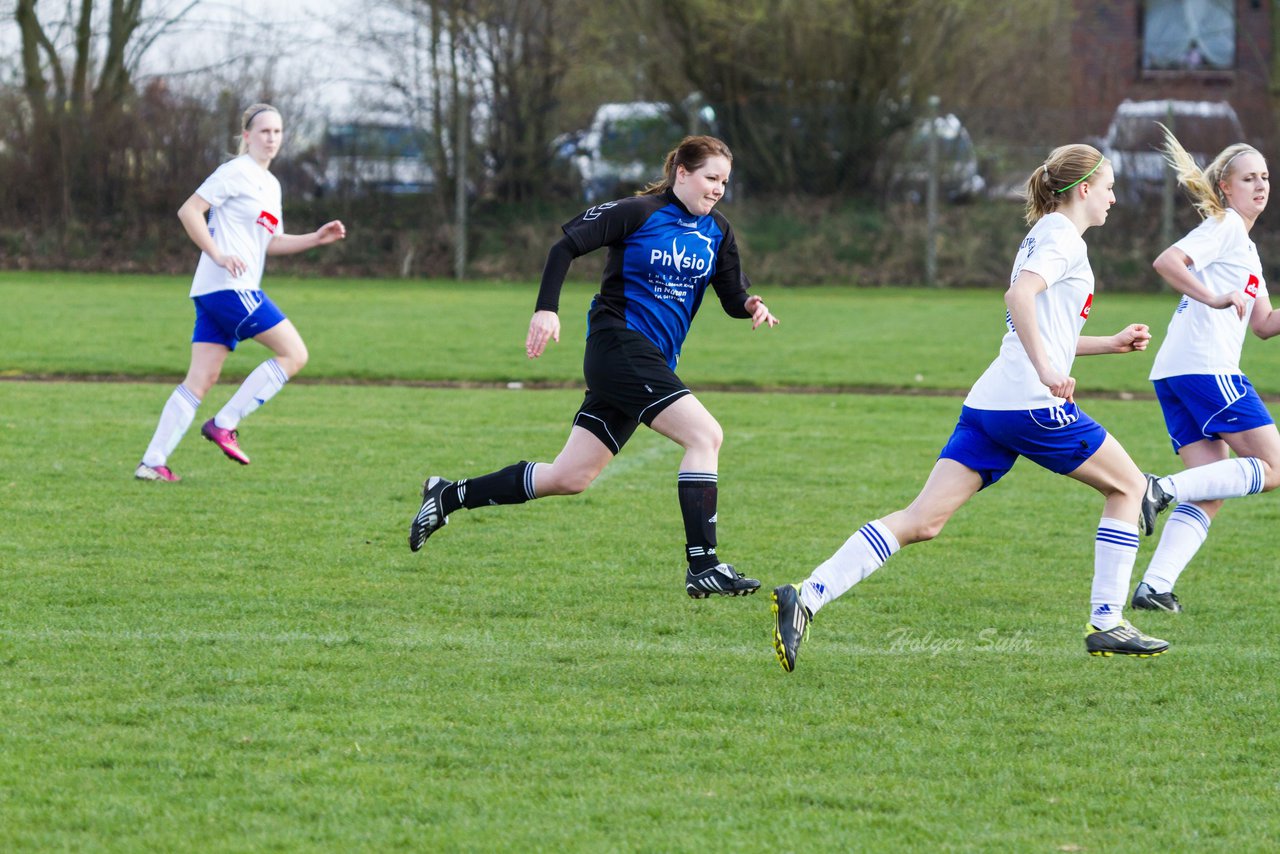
661	259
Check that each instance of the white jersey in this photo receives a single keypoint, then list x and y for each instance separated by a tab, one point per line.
244	215
1204	340
1054	250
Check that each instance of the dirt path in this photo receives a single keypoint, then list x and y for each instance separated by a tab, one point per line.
541	385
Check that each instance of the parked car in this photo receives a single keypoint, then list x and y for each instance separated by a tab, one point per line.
1133	139
623	147
377	158
959	178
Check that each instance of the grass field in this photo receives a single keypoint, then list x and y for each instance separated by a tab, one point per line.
253	660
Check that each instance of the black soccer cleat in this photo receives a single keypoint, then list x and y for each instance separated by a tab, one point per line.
721	580
429	518
1146	599
1154	502
1124	639
790	624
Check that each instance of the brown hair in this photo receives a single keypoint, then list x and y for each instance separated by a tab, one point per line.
247	117
1064	168
691	153
1204	185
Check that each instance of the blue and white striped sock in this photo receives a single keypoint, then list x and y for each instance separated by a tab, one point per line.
178	413
862	554
1224	479
261	385
1182	537
1114	553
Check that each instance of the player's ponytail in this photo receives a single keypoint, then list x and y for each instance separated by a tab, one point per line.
1204	185
1065	168
691	153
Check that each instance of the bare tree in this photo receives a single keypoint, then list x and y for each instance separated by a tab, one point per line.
77	83
810	91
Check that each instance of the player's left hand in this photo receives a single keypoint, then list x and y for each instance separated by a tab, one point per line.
1135	336
331	232
544	326
759	312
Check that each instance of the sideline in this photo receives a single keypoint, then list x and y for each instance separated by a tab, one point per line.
555	385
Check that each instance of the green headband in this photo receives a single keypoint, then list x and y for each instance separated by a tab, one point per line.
1082	178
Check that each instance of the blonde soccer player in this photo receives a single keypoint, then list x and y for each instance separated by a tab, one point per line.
1210	407
1023	405
245	224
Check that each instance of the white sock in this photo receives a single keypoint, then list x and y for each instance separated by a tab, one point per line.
862	554
1114	553
178	413
1182	537
257	388
1224	479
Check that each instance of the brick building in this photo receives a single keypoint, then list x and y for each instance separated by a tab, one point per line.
1197	50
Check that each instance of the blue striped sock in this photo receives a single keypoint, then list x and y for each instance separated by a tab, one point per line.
1115	551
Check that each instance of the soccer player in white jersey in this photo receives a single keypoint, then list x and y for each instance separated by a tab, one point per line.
1023	405
245	224
1210	407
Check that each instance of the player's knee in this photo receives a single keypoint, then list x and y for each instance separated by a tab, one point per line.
928	529
919	528
1271	474
295	360
569	482
200	384
1132	485
709	438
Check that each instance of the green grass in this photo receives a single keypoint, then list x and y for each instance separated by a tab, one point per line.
474	331
253	660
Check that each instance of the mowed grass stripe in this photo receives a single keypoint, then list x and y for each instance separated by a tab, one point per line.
424	331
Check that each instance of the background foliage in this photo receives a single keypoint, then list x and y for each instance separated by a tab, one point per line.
96	154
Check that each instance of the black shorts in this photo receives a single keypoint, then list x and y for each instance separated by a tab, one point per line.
628	383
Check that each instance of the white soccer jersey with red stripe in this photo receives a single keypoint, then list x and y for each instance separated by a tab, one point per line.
244	216
1054	250
1204	340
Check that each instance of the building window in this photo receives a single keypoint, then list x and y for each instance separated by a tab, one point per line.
1188	35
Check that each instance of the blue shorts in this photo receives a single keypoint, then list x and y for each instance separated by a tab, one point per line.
989	441
227	317
1202	406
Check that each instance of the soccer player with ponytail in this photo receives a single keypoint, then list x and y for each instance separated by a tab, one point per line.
666	247
245	224
1210	407
1023	405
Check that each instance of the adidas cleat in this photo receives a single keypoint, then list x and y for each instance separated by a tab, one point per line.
163	473
790	624
1154	501
226	440
1124	639
721	580
1146	599
429	518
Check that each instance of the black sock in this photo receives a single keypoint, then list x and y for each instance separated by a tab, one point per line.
511	485
697	490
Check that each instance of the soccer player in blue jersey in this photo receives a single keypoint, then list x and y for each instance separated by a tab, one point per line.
666	246
1210	407
1023	405
245	224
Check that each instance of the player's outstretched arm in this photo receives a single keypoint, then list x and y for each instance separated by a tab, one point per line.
291	244
1135	336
